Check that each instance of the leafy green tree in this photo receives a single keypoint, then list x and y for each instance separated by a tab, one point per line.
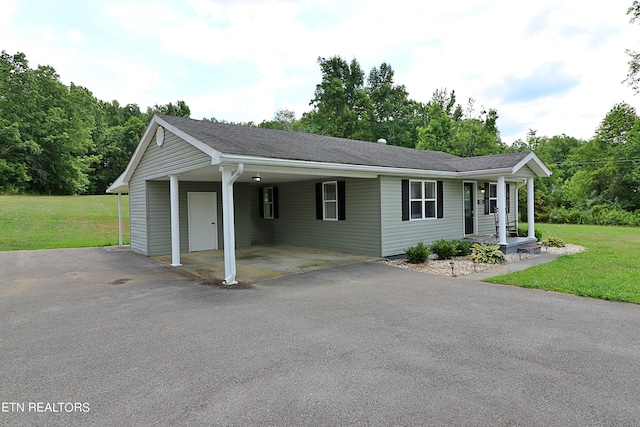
477	136
15	78
609	163
47	129
282	120
450	130
633	75
115	147
341	106
180	109
438	132
394	116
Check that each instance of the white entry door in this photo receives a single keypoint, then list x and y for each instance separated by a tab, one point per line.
203	218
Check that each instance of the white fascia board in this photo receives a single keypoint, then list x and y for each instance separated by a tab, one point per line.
538	167
496	172
118	186
146	139
345	168
191	140
137	154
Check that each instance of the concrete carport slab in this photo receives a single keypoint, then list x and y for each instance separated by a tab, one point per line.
257	263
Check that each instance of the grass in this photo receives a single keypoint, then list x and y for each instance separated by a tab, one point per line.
609	269
45	222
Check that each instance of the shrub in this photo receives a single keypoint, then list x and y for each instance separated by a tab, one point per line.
418	254
463	248
444	248
553	242
488	254
524	231
596	215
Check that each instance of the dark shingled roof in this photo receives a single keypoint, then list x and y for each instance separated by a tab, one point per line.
497	161
276	144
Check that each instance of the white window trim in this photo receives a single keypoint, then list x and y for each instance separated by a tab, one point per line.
494	184
265	203
325	201
423	199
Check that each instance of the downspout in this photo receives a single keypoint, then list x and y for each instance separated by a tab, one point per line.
175	220
228	217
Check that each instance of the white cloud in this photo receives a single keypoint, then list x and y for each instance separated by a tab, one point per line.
6	9
74	35
48	34
477	49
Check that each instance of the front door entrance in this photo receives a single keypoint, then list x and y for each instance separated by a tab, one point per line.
468	208
203	218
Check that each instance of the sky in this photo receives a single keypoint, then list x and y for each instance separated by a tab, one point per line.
553	67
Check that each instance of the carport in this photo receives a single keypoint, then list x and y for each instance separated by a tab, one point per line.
257	263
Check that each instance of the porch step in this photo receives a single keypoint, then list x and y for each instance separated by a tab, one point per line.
530	249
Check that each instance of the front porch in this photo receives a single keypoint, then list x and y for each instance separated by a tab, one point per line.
514	244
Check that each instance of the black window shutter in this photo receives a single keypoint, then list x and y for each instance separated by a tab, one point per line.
318	200
276	207
342	209
508	199
487	208
261	202
440	207
405	200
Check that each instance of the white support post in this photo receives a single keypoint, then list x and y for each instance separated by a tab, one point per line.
120	219
228	218
502	211
175	221
530	209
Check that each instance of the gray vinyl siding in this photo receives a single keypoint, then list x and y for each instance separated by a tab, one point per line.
398	235
159	217
486	222
138	216
174	156
297	224
149	200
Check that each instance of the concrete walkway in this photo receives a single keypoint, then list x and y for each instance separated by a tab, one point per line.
541	258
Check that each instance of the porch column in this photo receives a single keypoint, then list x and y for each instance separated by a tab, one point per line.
502	211
120	219
530	209
175	221
228	219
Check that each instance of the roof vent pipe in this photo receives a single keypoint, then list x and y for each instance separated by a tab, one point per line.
381	141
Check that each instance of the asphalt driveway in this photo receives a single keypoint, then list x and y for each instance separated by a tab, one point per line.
98	337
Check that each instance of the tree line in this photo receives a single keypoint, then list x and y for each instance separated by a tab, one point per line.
58	139
593	181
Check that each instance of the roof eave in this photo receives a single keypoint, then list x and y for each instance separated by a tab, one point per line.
535	164
144	143
350	168
501	171
118	186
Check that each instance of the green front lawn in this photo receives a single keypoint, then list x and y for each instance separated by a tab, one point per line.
609	268
43	222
